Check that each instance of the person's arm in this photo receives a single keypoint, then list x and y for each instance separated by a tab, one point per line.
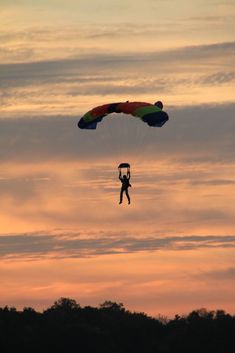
120	175
128	175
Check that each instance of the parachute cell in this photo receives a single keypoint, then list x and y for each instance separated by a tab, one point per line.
149	113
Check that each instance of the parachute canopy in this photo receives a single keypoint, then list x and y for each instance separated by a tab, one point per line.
149	113
124	165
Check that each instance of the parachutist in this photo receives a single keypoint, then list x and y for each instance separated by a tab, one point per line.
125	180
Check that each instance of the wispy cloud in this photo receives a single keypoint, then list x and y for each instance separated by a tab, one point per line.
187	74
221	274
75	245
93	63
206	131
218	78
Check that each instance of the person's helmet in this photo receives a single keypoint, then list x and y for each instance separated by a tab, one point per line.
159	104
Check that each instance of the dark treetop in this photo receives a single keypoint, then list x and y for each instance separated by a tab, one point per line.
66	327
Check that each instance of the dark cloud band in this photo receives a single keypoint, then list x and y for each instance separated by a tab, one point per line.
73	245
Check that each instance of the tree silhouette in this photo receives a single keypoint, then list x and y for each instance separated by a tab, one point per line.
65	305
110	328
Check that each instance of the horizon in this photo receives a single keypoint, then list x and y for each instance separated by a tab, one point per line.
109	303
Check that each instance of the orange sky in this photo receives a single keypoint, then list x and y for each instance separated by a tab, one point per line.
62	231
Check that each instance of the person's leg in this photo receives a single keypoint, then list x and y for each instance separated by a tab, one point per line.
121	195
127	195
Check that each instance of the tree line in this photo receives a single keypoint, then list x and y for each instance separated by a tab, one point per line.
66	327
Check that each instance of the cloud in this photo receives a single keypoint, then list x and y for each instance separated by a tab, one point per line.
217	78
66	85
214	182
45	71
22	189
75	245
193	134
221	275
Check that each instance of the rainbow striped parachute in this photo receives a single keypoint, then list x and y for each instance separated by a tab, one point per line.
149	113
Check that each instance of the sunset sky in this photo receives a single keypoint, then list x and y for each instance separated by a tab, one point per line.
62	231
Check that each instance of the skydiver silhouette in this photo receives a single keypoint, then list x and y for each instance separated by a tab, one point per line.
125	185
